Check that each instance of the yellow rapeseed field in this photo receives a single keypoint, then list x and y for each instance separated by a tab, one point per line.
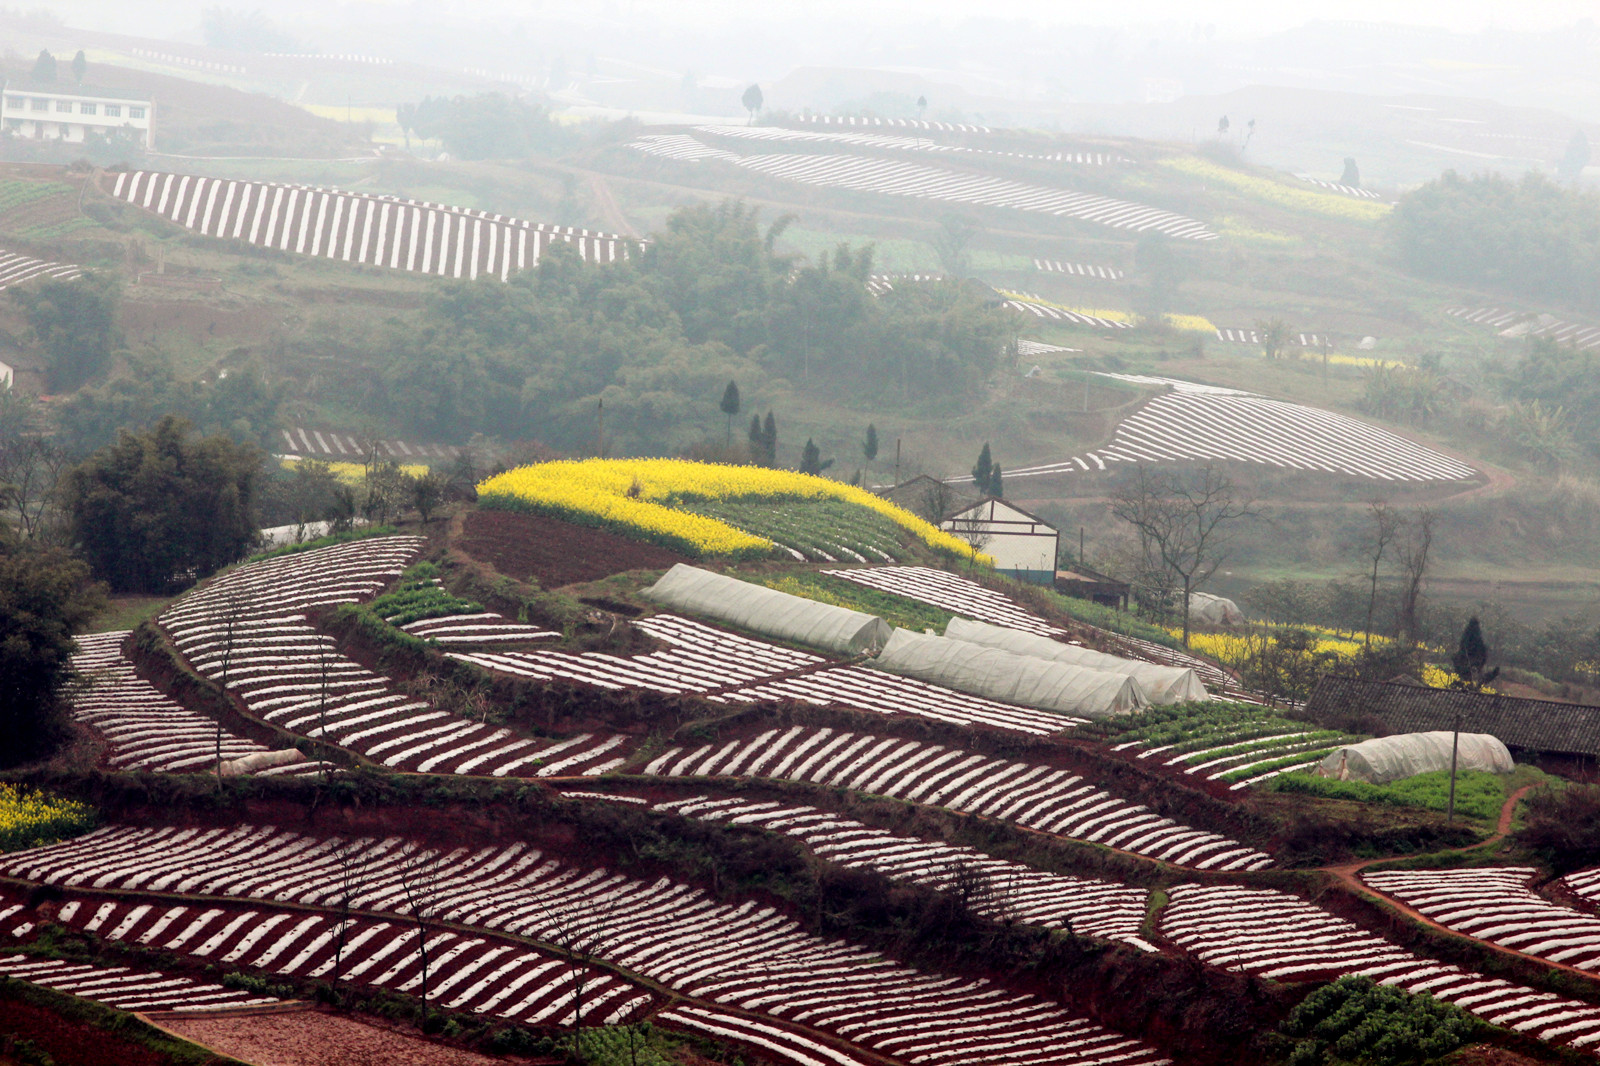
29	818
1197	323
354	473
1319	203
637	497
1232	649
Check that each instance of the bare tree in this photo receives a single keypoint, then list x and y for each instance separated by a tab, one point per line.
1414	575
1273	336
1185	523
974	532
419	876
232	609
354	871
1386	524
578	937
937	499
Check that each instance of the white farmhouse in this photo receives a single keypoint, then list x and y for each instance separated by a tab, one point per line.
8	376
76	114
1022	545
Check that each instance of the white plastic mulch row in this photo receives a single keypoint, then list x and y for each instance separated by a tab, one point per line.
1083	270
744	956
465	973
891	177
1279	936
995	888
288	673
1496	904
1188	425
1518	323
1289	744
867	122
950	592
146	730
16	269
1037	797
737	669
1343	190
1039	308
899	142
326	444
410	235
127	989
481	628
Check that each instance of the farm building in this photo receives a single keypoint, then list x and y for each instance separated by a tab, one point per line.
1022	545
7	375
929	498
1087	584
48	112
1542	726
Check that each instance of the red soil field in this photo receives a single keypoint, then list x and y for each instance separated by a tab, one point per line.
305	1037
553	552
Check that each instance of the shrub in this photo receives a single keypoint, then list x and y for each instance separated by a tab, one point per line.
1354	1019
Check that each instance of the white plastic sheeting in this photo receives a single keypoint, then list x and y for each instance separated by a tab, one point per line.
768	611
1161	684
1387	759
1214	610
1002	675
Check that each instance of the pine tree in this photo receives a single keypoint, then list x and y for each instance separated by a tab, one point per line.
730	405
1471	656
44	68
984	471
758	441
995	488
80	66
769	439
869	447
811	461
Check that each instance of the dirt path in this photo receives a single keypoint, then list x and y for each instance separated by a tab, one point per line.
1349	876
605	201
307	1036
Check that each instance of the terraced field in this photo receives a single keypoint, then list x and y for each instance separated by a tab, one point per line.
1519	323
891	177
745	958
1037	797
248	630
1276	935
824	531
18	269
410	235
1204	424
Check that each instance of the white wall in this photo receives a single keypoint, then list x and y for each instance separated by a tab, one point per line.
1016	540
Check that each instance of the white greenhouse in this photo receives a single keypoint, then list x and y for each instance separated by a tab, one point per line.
1161	684
1002	675
768	611
1385	759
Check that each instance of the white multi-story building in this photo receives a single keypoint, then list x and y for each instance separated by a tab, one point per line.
51	112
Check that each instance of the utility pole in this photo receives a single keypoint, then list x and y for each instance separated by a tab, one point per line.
600	430
897	460
1455	744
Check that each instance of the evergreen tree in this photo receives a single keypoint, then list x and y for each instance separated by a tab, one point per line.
752	101
80	66
1570	166
983	473
730	405
1471	656
995	488
758	441
869	447
1352	174
811	461
44	68
769	439
45	596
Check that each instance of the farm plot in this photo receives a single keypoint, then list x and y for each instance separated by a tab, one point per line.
1282	937
1251	336
1039	307
16	269
878	284
1190	426
422	608
247	630
1029	348
1343	190
385	231
998	889
1082	270
465	973
128	989
1496	904
745	957
1035	796
146	730
891	177
853	122
898	142
1235	745
343	447
827	531
950	592
1522	323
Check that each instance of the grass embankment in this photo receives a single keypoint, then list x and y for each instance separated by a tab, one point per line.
1479	795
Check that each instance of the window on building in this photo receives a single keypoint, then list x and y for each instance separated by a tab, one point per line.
16	103
88	109
136	112
64	105
41	104
113	111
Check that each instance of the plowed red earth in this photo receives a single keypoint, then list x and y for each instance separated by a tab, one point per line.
311	1037
66	1041
553	552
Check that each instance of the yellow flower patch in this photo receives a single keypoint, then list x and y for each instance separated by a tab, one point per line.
1299	199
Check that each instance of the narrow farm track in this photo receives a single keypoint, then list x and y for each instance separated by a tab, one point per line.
744	957
414	236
